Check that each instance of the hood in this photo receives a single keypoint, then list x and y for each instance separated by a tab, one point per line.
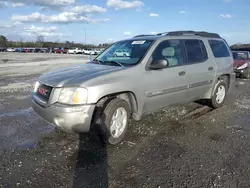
76	75
238	63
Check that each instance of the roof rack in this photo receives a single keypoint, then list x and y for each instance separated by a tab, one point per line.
182	33
198	33
142	36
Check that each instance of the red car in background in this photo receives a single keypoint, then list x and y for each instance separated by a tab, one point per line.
61	50
241	63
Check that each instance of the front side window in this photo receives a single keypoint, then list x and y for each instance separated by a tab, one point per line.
241	55
219	48
125	53
170	50
196	51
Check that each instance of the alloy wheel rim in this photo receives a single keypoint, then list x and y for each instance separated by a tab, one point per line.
118	122
220	95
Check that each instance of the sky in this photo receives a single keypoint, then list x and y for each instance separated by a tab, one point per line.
101	21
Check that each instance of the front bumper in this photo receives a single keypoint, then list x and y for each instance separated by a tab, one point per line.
240	72
69	119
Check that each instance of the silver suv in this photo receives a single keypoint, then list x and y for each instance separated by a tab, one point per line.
161	70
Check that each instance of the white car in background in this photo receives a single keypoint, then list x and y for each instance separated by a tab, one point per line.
75	51
88	51
97	51
11	50
121	53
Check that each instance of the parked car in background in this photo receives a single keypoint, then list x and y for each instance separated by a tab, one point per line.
27	50
122	52
164	69
61	50
89	51
97	51
45	50
18	49
75	51
3	49
242	63
11	50
37	50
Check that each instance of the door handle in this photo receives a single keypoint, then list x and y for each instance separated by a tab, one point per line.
182	73
210	68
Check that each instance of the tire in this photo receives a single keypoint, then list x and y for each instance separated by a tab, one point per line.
217	102
246	75
124	55
104	118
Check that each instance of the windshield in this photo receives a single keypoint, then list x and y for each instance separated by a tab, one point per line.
240	55
127	52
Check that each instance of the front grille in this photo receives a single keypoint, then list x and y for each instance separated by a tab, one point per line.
44	91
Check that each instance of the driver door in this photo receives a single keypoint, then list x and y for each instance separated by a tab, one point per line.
168	85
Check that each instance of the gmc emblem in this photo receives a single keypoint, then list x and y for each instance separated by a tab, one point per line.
42	91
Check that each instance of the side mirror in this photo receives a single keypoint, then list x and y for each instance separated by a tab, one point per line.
158	64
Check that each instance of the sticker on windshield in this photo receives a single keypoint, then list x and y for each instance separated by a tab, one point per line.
139	42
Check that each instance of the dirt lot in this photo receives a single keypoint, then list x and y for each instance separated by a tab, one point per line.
183	146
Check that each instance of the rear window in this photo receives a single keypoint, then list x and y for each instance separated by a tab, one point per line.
240	55
219	48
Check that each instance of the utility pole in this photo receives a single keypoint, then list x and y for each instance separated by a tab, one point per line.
85	36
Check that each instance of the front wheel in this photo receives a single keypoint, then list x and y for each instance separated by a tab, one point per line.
219	94
113	121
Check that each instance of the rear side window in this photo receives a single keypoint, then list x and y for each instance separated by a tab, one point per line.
196	51
219	48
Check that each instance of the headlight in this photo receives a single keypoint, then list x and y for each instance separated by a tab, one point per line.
73	96
245	65
36	86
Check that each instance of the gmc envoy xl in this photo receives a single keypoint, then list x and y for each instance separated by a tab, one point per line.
161	70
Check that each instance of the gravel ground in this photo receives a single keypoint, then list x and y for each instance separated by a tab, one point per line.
182	146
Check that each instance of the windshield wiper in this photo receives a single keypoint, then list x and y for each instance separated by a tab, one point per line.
116	63
98	61
103	62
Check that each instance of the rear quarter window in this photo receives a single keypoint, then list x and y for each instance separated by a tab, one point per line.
219	48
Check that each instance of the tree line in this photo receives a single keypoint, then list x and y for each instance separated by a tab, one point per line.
243	47
41	43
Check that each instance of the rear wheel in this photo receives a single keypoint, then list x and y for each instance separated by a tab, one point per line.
219	94
113	121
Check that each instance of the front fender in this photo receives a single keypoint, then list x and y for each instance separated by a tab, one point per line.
99	92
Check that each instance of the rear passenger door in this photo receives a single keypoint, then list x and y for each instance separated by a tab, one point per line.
200	69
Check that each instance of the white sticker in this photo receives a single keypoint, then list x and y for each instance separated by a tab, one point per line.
138	42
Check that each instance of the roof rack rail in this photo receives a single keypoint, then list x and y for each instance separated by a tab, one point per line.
198	33
180	33
142	36
161	33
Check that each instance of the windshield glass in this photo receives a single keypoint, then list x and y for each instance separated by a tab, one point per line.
240	55
127	52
